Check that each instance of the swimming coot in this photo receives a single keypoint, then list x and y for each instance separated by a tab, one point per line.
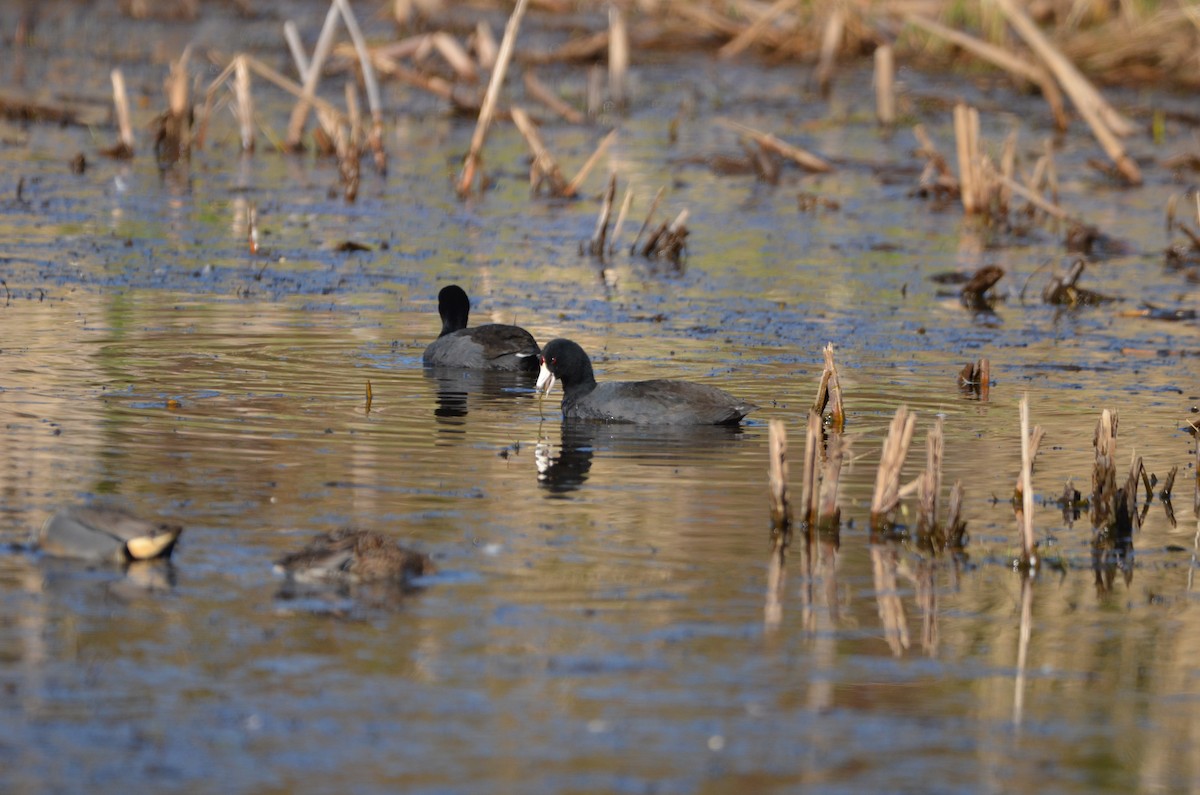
105	533
657	402
493	346
354	556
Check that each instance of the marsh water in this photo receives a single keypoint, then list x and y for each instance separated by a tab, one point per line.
597	624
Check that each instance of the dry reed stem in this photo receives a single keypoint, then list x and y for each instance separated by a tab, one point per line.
830	392
1028	544
295	129
754	31
245	103
471	164
1087	99
1104	471
291	35
649	217
370	84
348	150
485	45
544	167
1038	201
173	140
970	178
997	56
542	93
830	42
618	57
891	459
811	471
626	203
291	86
597	245
252	227
777	477
955	526
885	85
587	167
125	146
455	55
801	157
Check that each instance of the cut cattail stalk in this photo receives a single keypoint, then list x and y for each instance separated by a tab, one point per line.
886	497
1029	558
173	139
669	241
597	245
829	515
291	34
290	86
542	93
348	151
626	203
471	164
245	103
830	43
1104	472
589	164
295	130
544	168
124	147
755	30
830	392
370	84
956	528
930	482
802	158
595	92
618	56
976	379
885	85
649	217
970	177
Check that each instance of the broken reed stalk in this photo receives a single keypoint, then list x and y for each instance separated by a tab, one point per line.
649	217
1104	471
244	106
976	378
930	482
349	154
597	245
173	138
970	174
752	32
295	129
1106	123
291	34
777	478
801	157
812	458
885	85
830	392
1018	67
252	227
487	111
956	528
542	93
1196	492
124	147
618	57
830	42
626	203
887	479
544	167
669	240
290	86
486	48
456	55
1035	446
1028	545
829	515
370	84
576	183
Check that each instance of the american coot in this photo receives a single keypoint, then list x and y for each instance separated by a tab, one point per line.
493	346
105	533
657	402
354	556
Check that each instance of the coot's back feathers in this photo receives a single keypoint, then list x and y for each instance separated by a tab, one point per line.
493	346
655	402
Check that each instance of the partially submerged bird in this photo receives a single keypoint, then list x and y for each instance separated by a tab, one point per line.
105	533
354	556
656	402
494	346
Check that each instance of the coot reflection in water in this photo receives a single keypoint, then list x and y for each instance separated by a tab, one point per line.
564	468
459	389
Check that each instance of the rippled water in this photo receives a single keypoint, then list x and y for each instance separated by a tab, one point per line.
598	620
